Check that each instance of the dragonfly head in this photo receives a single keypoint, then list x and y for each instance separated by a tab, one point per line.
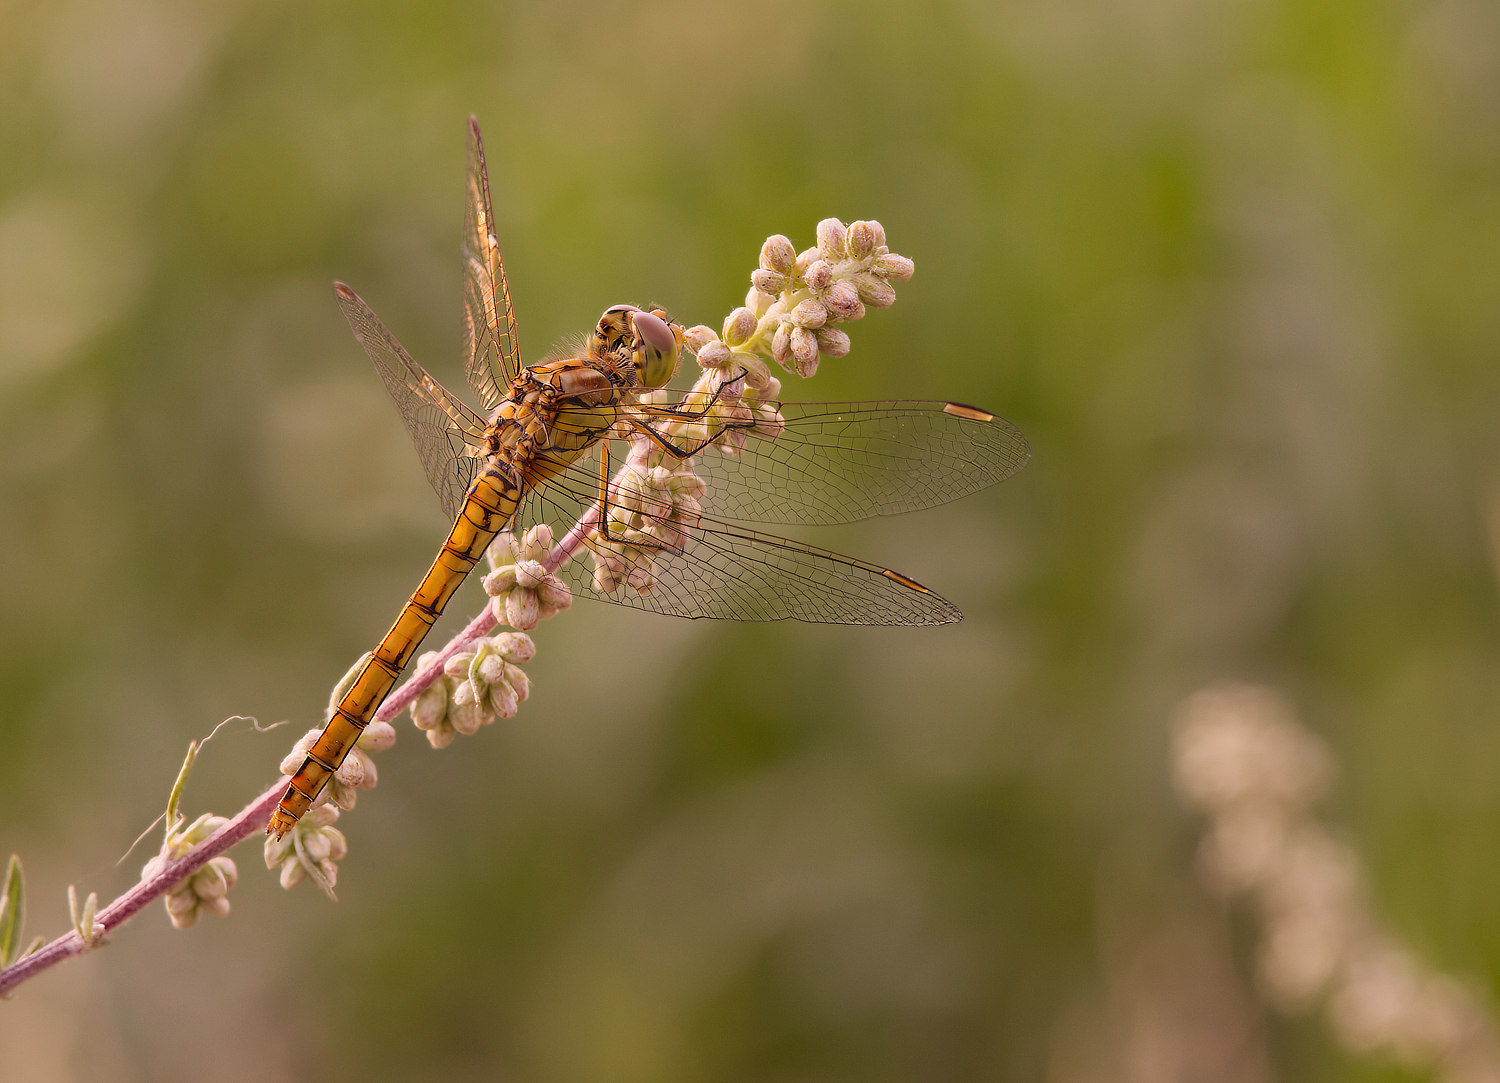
650	341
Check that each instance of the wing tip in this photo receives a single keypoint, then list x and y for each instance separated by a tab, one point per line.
343	291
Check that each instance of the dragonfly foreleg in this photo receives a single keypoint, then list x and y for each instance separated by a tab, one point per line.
687	451
682	413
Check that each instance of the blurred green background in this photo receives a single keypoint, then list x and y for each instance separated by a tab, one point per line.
1230	266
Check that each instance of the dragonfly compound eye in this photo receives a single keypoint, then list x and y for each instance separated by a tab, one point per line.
658	348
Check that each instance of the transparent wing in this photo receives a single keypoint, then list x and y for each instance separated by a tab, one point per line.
840	462
832	463
491	346
731	572
449	435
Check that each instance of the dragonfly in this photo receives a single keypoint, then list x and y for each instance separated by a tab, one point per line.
541	453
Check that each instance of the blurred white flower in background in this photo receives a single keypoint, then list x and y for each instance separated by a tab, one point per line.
1240	757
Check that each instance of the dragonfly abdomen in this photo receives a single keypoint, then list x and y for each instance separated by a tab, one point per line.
490	503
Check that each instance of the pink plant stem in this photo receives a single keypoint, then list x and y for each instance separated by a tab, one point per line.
402	697
563	551
250	821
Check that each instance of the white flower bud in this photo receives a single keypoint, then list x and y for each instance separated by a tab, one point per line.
468	718
492	669
515	646
832	342
810	314
739	325
777	254
316	846
756	372
430	708
832	239
861	239
757	302
352	771
781	345
208	883
442	736
338	845
769	423
819	275
227	870
217	907
536	544
292	873
457	665
500	580
879	232
179	904
842	301
522	610
804	351
503	548
294	758
695	338
276	850
768	282
377	737
715	354
893	268
530	574
874	290
502	700
805	259
554	595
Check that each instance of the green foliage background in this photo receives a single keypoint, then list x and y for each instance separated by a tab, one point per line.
1230	265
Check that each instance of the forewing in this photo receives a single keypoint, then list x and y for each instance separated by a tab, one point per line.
731	572
443	428
840	462
491	346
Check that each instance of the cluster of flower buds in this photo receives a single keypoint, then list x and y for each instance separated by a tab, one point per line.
311	849
524	593
477	686
796	299
1240	757
356	773
205	891
789	317
655	504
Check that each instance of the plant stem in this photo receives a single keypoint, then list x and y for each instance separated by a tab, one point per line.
251	820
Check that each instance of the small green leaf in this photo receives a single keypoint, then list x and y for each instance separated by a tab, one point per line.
12	911
177	787
73	911
90	907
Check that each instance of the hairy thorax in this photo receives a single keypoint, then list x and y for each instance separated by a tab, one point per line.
553	412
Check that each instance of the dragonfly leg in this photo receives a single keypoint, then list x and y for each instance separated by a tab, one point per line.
682	413
684	451
605	504
679	414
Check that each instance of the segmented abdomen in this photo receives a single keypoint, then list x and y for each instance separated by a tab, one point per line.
490	503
